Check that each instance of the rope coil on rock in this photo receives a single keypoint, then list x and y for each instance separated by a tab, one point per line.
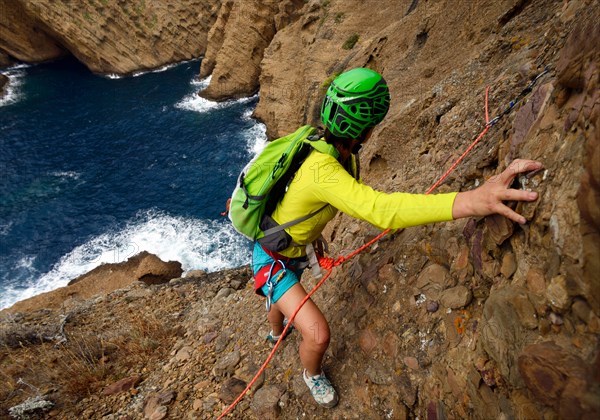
329	263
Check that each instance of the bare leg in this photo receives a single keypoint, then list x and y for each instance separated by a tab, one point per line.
275	318
310	322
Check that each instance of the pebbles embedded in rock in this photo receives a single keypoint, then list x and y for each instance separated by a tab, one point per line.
432	306
411	362
224	292
456	297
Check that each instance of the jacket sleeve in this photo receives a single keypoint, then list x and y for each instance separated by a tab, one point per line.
335	186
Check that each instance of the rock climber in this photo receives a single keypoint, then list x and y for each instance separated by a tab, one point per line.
355	102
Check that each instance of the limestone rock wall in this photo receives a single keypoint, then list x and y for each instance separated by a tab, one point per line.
3	83
310	51
24	37
5	60
215	39
108	36
244	29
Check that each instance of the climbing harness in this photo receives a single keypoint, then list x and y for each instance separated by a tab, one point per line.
329	263
271	283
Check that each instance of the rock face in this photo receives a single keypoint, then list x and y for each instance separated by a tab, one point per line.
478	318
248	28
5	60
560	380
237	42
24	37
309	51
144	267
215	39
108	37
3	84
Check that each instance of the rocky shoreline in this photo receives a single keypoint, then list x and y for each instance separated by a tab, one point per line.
476	318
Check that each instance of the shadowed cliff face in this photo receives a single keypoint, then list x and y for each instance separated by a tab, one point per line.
3	83
477	318
107	36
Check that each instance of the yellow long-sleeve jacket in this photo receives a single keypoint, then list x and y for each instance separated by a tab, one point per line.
322	180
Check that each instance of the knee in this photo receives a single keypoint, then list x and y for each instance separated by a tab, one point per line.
317	335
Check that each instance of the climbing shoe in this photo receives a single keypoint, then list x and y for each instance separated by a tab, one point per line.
272	339
321	389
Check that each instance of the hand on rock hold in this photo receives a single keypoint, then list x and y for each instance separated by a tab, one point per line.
490	197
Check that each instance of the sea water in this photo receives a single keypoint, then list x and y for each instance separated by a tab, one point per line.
95	169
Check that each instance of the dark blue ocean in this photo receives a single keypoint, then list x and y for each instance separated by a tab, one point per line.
95	169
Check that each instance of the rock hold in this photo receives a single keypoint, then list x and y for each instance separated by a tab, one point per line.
558	379
184	354
434	279
155	406
226	365
378	373
122	385
266	402
507	316
456	297
231	389
557	294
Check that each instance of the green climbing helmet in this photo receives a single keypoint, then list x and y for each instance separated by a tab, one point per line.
355	101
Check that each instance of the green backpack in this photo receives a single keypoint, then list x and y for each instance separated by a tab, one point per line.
262	184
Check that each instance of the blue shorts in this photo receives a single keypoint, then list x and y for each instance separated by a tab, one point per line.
261	259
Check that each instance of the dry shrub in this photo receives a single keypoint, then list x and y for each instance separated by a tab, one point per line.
83	364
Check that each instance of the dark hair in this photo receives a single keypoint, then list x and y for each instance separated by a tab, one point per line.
345	142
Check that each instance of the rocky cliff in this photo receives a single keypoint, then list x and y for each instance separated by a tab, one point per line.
108	36
3	83
476	318
237	43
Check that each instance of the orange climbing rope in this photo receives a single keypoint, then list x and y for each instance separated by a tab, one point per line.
329	263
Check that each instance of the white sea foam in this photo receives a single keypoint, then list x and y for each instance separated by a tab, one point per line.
20	66
66	174
5	226
201	83
143	72
197	244
256	137
15	76
247	115
157	70
26	263
194	102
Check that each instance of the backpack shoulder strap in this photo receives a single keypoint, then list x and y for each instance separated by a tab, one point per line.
324	147
292	222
